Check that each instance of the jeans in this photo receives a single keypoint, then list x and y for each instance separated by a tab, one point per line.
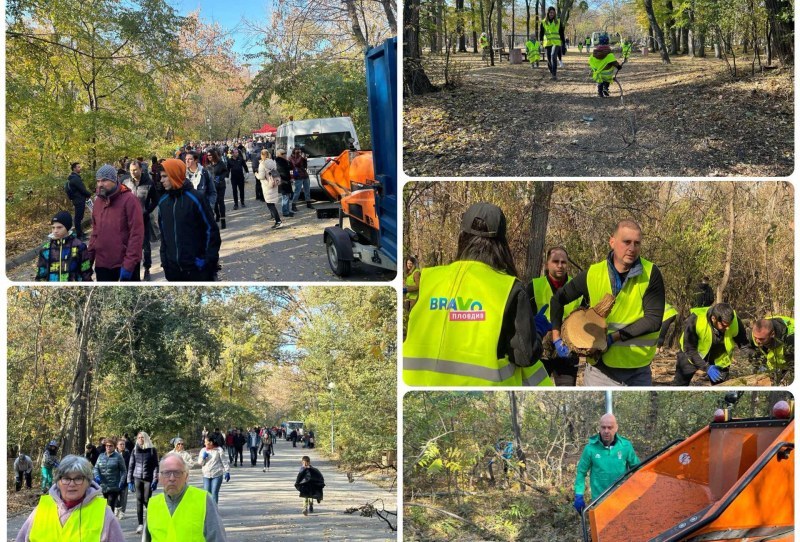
304	185
601	375
552	58
219	207
266	460
143	493
239	455
231	453
238	190
285	209
122	503
212	486
253	456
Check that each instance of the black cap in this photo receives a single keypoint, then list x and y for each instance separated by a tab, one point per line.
63	218
491	214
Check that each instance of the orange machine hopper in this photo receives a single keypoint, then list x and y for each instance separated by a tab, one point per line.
350	167
729	481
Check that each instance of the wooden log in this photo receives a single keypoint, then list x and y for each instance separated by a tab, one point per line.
584	330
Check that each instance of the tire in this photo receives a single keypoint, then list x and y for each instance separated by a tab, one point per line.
339	267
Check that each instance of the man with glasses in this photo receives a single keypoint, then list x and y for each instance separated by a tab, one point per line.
175	511
709	335
110	473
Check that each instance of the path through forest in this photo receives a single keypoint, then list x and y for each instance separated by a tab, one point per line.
252	251
257	506
689	117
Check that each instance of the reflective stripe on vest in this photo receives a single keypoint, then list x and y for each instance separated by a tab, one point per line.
188	520
669	312
410	282
85	524
637	351
532	48
454	329
601	72
551	35
543	292
535	375
705	335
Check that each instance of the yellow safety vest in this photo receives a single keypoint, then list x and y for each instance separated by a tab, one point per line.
636	351
455	326
705	336
484	42
543	292
85	524
188	520
410	282
532	48
601	72
669	312
775	357
551	35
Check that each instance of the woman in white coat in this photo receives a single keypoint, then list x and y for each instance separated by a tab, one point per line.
267	175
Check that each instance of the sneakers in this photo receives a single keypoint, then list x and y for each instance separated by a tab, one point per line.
277	225
606	93
264	469
308	204
560	63
139	529
146	274
243	205
235	206
121	515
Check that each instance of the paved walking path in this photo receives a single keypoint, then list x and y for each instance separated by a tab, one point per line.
258	506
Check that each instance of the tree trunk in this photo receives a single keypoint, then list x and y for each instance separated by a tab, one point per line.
355	26
685	40
648	5
474	32
726	274
499	36
462	38
651	424
701	45
781	18
540	212
411	30
527	19
389	9
515	427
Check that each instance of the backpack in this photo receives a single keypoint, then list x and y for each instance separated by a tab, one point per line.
68	190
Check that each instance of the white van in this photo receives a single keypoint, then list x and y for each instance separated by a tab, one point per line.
320	140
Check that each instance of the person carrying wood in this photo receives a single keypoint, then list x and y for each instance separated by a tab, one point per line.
707	342
533	48
551	33
564	371
603	62
634	320
473	323
605	458
774	339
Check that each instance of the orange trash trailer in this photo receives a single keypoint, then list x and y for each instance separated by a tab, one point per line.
732	480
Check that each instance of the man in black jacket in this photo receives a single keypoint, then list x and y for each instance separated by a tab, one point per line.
142	187
190	237
78	194
237	167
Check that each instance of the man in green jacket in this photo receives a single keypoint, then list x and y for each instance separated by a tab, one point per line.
605	458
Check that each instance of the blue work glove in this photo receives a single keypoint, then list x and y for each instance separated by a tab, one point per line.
609	339
200	263
405	290
204	455
562	350
714	374
579	503
543	325
130	487
97	479
153	485
124	274
227	476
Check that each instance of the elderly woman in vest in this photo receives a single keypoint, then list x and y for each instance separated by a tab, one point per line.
74	509
474	324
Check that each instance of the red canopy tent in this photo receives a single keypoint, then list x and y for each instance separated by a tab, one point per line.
266	129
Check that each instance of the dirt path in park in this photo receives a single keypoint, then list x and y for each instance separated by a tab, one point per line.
258	506
689	118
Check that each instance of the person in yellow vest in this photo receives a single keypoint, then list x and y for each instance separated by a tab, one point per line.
635	320
182	512
627	47
411	283
564	372
670	315
603	62
473	324
533	48
74	509
551	34
774	339
483	41
707	342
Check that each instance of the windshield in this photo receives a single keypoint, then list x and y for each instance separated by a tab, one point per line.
328	144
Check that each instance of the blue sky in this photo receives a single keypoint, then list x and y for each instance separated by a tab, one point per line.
229	15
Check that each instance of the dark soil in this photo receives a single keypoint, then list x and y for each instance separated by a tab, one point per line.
690	118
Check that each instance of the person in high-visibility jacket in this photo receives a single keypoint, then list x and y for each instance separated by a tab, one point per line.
74	509
588	43
627	47
473	323
635	320
707	343
411	283
670	315
605	458
551	34
533	48
773	337
182	512
603	62
483	41
564	372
